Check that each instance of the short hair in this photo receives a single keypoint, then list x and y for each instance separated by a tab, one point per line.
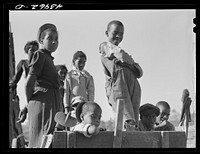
116	22
78	54
29	43
61	67
86	107
164	103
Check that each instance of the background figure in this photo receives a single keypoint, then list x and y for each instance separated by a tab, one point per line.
42	87
23	65
148	114
121	74
162	123
78	81
62	72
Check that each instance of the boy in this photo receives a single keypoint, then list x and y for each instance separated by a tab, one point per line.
29	49
148	114
121	75
162	123
78	81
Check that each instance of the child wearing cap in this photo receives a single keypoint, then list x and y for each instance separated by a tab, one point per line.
78	81
88	115
162	123
121	75
148	114
42	87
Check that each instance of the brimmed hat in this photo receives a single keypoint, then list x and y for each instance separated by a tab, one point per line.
79	111
76	100
43	28
148	108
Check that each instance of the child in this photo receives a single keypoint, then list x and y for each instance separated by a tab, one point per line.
88	115
62	72
121	75
78	81
29	48
162	120
148	114
42	87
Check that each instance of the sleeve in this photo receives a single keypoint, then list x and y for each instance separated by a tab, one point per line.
91	89
37	63
67	92
81	128
137	70
19	71
108	66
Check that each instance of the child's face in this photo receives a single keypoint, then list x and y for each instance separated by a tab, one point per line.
31	50
164	113
79	63
115	34
93	116
62	73
50	41
149	120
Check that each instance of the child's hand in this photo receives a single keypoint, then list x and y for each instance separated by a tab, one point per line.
93	130
22	115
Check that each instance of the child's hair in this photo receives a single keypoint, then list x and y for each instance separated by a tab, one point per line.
164	103
86	107
61	67
29	43
78	54
116	22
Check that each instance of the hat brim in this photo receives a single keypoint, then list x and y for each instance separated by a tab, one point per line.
45	27
79	111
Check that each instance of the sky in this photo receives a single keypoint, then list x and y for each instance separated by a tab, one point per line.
161	41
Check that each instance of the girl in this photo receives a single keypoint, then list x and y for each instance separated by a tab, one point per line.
42	88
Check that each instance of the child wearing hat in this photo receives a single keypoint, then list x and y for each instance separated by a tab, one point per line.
122	74
78	81
148	114
162	123
42	87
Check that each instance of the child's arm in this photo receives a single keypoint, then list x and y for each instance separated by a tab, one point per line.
92	130
67	95
91	89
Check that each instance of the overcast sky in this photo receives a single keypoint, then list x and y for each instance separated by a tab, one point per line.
161	41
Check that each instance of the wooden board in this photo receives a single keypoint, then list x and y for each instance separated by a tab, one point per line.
139	139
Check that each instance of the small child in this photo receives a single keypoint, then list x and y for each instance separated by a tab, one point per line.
121	75
148	114
162	123
88	115
62	72
78	81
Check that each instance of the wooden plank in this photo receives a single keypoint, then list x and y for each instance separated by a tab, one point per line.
59	139
101	140
71	139
117	142
177	139
141	139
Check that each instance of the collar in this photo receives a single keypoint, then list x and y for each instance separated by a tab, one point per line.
48	53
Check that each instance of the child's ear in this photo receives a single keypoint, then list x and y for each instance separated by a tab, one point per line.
81	116
106	32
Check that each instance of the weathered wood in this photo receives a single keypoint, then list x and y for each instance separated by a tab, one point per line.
117	142
141	139
59	139
137	139
174	139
